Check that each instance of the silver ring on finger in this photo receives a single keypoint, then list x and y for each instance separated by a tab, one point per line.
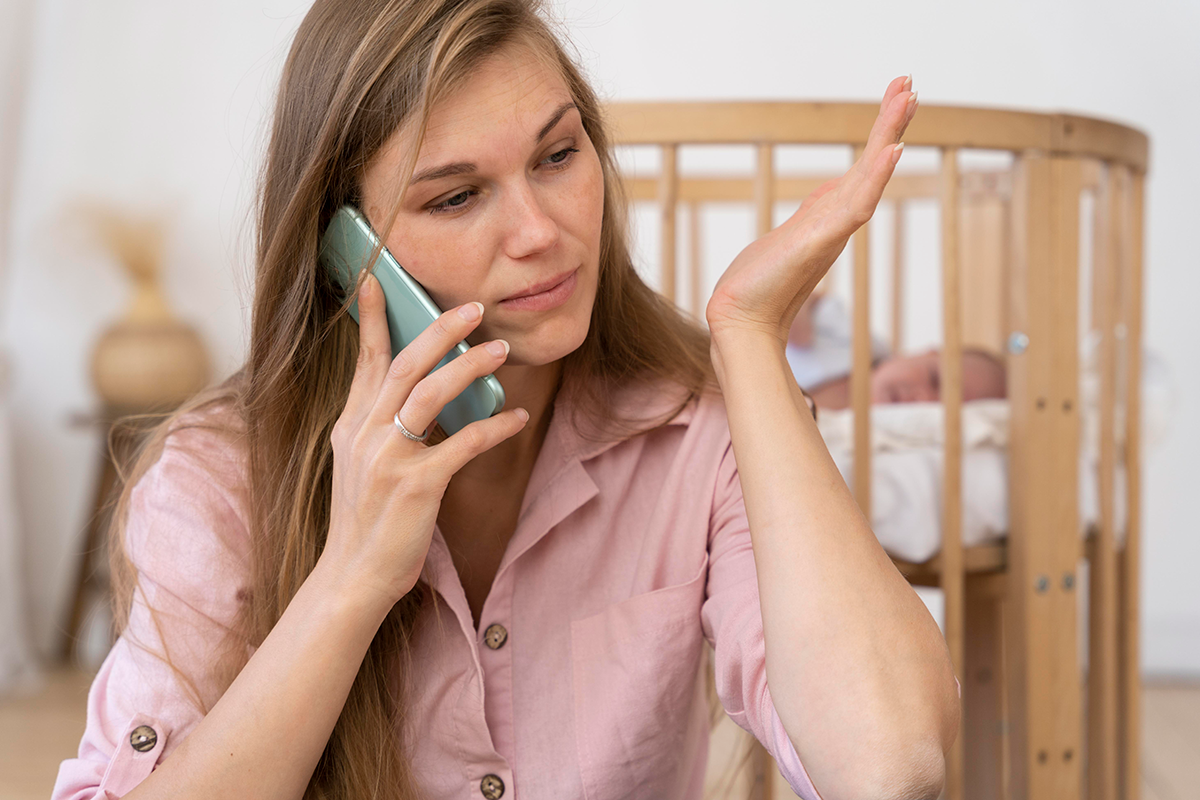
409	434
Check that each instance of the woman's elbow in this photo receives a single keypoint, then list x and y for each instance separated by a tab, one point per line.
920	776
917	769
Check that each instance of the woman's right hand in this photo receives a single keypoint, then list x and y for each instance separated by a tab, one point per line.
387	489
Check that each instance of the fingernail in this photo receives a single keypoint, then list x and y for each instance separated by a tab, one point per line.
908	82
912	100
896	152
523	414
471	311
497	348
365	289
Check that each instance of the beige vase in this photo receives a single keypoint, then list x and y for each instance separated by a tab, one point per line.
148	359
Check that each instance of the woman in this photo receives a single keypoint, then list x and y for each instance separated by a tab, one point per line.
328	607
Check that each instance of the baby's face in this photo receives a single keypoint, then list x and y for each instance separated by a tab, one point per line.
507	195
916	379
906	379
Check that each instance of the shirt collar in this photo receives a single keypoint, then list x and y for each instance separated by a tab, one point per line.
639	405
570	442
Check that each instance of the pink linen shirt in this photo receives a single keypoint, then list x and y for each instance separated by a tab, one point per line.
585	679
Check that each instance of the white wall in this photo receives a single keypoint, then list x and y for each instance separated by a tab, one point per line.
153	103
146	105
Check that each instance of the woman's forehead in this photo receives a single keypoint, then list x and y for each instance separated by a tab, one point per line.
508	98
495	116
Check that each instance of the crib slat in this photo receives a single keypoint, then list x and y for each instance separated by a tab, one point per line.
951	392
982	254
1131	699
695	262
764	189
1006	261
1030	204
668	195
1046	696
1102	660
1130	667
1065	772
860	366
899	222
983	689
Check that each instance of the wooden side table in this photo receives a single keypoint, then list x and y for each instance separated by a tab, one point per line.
91	574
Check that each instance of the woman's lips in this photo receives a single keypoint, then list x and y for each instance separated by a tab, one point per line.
550	298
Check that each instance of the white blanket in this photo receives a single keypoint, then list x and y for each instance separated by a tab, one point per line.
906	462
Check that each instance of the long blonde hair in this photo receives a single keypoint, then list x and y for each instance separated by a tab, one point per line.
355	73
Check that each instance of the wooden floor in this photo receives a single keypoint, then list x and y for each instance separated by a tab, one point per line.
1171	733
38	731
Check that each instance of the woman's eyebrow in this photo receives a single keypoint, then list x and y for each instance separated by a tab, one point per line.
444	171
554	118
464	167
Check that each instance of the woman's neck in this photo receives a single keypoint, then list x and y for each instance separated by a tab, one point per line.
530	388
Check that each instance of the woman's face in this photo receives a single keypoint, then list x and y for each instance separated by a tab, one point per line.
507	197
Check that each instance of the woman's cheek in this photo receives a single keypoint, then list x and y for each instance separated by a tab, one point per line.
451	267
593	211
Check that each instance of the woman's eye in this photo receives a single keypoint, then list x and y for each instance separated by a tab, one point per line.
452	203
459	201
562	156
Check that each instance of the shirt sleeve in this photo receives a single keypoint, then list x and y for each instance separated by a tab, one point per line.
189	547
732	620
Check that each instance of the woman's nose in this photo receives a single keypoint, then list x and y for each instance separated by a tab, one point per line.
531	229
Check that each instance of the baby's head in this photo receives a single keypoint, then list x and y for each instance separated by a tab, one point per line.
917	378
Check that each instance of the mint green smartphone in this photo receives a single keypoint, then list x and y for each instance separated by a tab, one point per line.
346	248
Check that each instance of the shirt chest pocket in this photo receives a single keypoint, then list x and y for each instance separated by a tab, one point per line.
635	667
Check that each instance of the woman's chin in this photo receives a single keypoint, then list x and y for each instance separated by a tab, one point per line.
537	356
543	349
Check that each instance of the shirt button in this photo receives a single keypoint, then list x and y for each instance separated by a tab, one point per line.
492	787
143	738
494	637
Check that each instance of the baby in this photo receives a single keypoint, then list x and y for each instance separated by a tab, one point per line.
819	351
917	379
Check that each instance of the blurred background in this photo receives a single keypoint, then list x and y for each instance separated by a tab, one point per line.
131	131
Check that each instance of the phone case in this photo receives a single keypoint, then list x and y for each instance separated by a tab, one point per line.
346	248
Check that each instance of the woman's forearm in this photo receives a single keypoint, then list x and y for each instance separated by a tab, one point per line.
858	669
264	736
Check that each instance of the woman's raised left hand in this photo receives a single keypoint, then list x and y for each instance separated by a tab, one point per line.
764	287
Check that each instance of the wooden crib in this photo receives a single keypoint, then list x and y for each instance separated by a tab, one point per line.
1035	726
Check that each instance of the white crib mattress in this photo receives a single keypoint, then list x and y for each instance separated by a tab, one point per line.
906	462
